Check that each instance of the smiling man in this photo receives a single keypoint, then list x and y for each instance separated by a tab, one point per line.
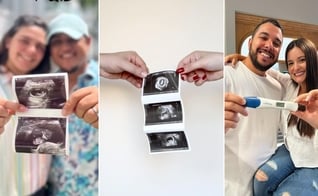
69	45
251	140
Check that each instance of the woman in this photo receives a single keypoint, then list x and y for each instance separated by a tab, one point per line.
296	161
294	166
22	51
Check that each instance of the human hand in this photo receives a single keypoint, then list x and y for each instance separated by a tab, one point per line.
127	65
201	66
232	59
310	100
7	109
233	106
84	104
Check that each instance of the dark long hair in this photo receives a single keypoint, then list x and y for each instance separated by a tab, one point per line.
23	21
310	51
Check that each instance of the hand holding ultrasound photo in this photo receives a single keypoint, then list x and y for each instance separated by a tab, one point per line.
42	128
164	124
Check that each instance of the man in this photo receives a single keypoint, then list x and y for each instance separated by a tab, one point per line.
69	45
251	140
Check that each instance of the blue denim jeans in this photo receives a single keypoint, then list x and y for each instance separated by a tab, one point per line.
283	177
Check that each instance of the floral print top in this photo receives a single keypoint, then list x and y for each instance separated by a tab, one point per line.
77	174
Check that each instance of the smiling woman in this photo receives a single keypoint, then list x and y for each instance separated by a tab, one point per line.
23	46
22	51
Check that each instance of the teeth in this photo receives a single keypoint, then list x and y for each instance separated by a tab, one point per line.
26	58
299	73
266	54
67	55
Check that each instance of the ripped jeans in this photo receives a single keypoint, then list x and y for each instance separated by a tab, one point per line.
279	177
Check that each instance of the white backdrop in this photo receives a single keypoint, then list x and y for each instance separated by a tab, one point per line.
162	32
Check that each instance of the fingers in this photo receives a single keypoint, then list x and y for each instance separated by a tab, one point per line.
142	69
84	104
311	96
127	65
231	59
80	101
210	64
136	81
303	98
191	63
7	109
231	119
12	107
191	67
91	116
136	68
95	124
215	75
230	97
227	59
4	117
233	106
194	76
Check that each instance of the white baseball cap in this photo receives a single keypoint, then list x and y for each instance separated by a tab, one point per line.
69	24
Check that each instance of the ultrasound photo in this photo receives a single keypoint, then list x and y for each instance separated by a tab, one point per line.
41	135
163	113
167	141
161	82
41	92
159	113
42	128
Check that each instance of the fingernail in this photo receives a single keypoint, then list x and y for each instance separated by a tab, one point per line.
64	112
196	77
204	77
138	85
143	74
180	70
23	108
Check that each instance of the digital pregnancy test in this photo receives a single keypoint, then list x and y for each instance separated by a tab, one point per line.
259	102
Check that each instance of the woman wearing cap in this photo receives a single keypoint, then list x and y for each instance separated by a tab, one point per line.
22	51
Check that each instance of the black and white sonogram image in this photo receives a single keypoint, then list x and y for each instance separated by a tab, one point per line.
167	141
160	113
161	82
41	92
41	135
163	113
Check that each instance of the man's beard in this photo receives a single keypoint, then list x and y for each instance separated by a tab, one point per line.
256	64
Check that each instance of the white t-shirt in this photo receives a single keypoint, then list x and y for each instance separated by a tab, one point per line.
255	138
303	150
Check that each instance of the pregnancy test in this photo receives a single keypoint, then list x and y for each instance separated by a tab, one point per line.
259	102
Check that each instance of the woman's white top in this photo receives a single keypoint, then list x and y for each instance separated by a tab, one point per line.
303	150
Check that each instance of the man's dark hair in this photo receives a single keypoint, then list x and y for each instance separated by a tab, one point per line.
268	20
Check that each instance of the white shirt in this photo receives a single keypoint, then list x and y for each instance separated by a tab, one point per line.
303	150
255	138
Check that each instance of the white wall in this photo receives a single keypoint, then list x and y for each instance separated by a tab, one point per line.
298	11
162	32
